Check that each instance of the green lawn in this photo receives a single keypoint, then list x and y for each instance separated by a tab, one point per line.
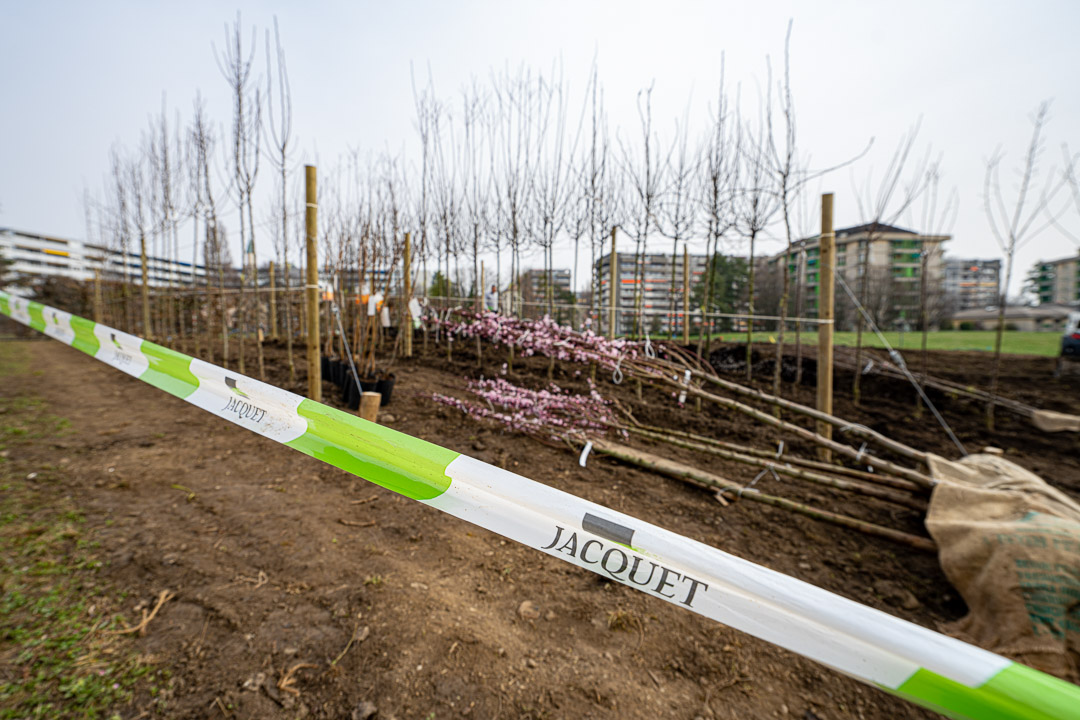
1013	342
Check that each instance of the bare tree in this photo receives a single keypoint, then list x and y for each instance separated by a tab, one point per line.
426	107
280	135
756	202
447	198
677	213
516	102
243	160
784	164
719	183
879	208
1013	227
601	186
645	170
476	181
554	174
214	252
122	233
138	193
791	175
476	186
936	221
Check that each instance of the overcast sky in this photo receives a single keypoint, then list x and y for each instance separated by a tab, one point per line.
80	77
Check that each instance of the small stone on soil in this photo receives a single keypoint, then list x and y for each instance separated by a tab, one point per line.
896	594
364	711
528	610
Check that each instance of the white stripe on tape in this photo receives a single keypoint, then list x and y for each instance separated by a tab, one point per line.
120	350
840	633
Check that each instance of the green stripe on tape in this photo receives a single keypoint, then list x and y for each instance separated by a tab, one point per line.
85	339
398	462
37	315
5	307
169	370
1015	692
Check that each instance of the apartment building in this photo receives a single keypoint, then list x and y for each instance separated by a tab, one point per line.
972	284
38	256
1056	281
657	297
890	258
534	285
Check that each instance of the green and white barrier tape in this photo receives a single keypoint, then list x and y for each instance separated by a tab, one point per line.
928	668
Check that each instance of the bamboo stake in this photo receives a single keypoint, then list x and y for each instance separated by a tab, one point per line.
97	297
825	330
613	285
406	315
145	289
847	427
312	294
686	294
683	472
845	450
893	496
273	304
878	478
480	308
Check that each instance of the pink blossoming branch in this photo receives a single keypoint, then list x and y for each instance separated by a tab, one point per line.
552	414
542	337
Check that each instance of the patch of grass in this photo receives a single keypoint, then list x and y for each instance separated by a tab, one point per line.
373	580
1013	342
59	656
622	620
14	358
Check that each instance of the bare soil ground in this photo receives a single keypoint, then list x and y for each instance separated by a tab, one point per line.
278	560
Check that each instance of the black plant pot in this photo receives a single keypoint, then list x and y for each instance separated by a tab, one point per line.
325	368
385	386
351	395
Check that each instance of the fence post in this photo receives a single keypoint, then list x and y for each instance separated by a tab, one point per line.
312	289
827	262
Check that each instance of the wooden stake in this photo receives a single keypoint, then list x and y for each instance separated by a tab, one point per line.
406	316
685	294
273	304
147	331
97	296
312	290
481	308
613	285
827	264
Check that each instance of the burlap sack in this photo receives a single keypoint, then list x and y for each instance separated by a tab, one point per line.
1010	544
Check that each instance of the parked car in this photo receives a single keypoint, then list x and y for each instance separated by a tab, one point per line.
1070	342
